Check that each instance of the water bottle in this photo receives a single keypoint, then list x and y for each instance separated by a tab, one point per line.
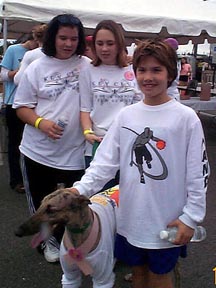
170	234
62	121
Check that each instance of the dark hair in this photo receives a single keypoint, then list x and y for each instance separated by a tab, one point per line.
63	20
161	51
119	38
185	58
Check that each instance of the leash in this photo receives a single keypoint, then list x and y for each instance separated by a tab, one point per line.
77	255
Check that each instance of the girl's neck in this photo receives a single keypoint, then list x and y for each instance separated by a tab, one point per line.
153	101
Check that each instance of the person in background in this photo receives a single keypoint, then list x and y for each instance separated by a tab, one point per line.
107	85
173	91
185	72
90	54
9	67
48	95
89	50
162	183
129	58
38	34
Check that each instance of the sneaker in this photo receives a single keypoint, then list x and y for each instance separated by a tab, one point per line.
19	188
51	253
128	277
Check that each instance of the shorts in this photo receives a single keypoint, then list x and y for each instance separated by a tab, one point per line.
159	261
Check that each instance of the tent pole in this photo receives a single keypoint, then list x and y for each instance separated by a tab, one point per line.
5	35
195	49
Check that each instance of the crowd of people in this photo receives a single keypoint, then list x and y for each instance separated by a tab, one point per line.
76	102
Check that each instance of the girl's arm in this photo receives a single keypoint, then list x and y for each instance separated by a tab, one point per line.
7	75
50	128
189	71
87	128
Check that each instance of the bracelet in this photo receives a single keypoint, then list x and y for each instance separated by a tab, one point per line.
88	131
37	122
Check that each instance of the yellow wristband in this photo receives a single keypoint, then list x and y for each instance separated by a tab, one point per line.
37	122
88	131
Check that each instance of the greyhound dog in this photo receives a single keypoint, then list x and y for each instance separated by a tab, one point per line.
88	242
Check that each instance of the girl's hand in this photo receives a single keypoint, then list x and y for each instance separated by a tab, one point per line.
91	138
51	129
73	190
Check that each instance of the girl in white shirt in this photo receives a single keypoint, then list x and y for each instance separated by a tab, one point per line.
108	84
48	90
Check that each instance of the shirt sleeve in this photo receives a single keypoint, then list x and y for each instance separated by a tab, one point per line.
23	65
4	74
198	172
105	164
86	94
26	93
7	61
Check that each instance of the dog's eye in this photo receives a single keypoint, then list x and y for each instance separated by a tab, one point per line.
49	209
75	207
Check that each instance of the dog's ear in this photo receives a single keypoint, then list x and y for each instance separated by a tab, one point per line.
84	201
79	202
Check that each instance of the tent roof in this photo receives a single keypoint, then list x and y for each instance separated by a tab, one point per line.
185	20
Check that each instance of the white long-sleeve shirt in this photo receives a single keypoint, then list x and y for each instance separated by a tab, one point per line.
175	170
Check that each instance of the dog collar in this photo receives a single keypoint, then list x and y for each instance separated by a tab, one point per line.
79	230
77	255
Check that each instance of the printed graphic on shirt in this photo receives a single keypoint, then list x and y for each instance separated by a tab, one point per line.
129	75
59	83
109	196
119	91
145	148
205	164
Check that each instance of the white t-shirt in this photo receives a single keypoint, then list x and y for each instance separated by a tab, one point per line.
173	163
104	91
51	87
28	58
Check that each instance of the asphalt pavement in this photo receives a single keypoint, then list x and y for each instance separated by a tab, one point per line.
22	267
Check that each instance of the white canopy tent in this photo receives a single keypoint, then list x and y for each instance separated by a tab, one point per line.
185	20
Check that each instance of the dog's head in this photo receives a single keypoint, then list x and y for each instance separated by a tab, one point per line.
58	208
